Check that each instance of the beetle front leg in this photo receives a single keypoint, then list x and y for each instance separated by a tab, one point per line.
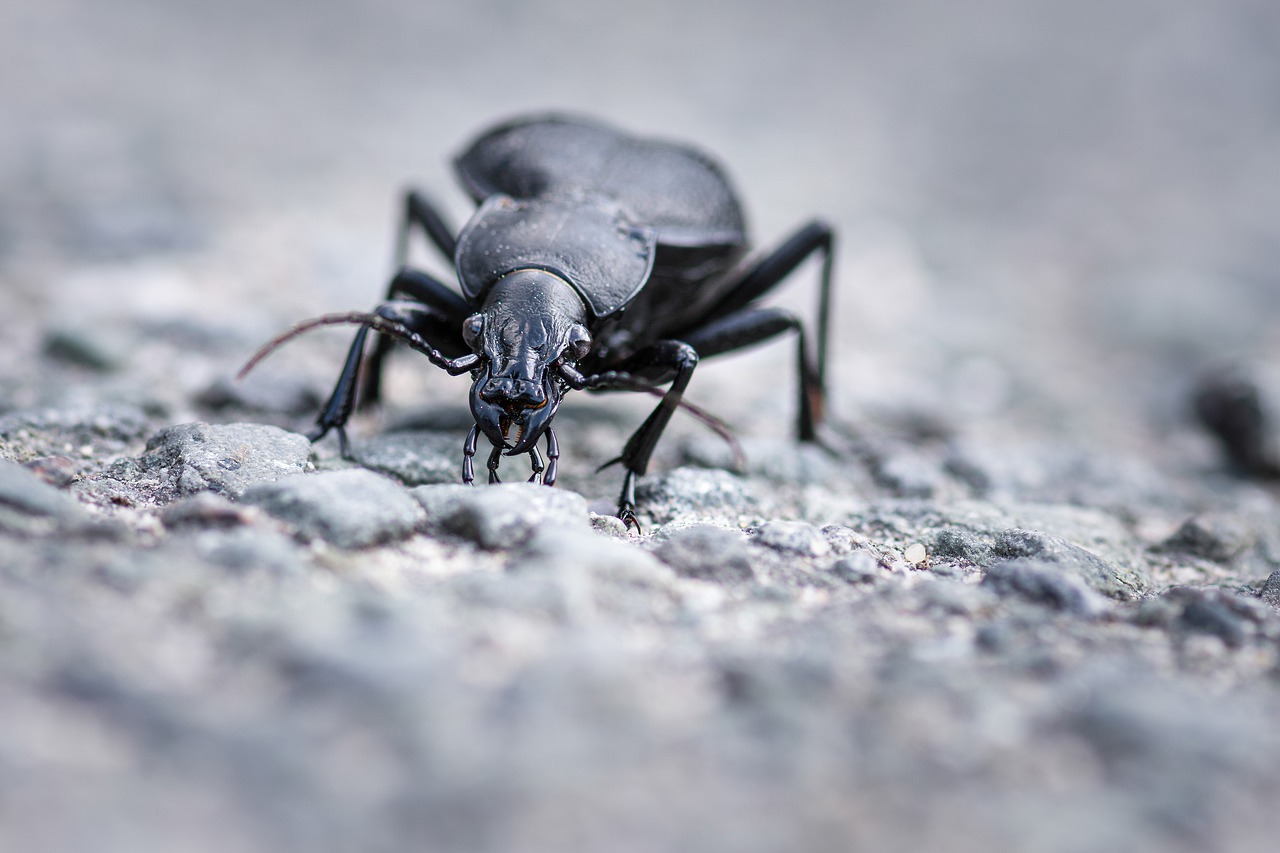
535	462
337	410
404	319
553	459
469	456
441	315
495	458
671	361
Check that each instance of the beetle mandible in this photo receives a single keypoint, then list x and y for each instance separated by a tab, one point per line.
595	260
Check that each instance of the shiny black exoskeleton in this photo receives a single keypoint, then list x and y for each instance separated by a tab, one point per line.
596	260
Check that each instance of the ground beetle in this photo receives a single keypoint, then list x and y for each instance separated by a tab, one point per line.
596	260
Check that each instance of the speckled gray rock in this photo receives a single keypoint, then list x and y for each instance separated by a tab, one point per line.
1044	582
100	429
203	510
1105	577
707	552
795	537
1270	592
1219	537
961	545
698	492
415	458
30	505
223	458
502	515
353	508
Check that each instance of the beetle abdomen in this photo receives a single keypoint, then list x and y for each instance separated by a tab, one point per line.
678	191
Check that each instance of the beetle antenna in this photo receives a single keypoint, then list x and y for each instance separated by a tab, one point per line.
715	424
348	318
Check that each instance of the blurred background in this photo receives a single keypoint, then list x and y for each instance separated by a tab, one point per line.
1050	213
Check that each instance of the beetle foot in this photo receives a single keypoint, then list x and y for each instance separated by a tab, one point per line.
627	502
320	430
628	517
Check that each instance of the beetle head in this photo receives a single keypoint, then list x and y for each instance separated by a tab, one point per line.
530	320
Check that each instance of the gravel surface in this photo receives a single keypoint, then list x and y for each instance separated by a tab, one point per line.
1020	599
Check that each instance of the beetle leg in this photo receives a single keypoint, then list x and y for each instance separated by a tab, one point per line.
553	459
535	461
627	502
404	318
469	456
421	211
753	325
728	324
439	318
672	361
337	410
494	459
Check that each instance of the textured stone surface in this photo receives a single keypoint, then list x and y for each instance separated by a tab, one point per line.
415	458
502	515
708	552
351	509
1052	219
188	459
1105	577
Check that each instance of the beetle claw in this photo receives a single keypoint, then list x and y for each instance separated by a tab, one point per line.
629	520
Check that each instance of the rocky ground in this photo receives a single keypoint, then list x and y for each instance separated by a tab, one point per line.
1019	600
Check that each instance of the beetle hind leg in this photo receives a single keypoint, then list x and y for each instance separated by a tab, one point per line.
735	321
754	325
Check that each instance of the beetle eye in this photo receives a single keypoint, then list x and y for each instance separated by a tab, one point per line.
472	329
579	343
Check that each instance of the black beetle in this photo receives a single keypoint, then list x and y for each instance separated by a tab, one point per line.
596	260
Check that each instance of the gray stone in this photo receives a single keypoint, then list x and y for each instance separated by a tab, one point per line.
707	552
858	567
698	492
1044	582
30	505
795	537
261	392
908	474
353	508
243	550
203	510
960	544
1105	577
103	428
502	515
1207	616
224	458
1219	537
96	346
1270	592
415	458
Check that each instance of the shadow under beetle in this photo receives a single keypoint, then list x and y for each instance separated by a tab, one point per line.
595	260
